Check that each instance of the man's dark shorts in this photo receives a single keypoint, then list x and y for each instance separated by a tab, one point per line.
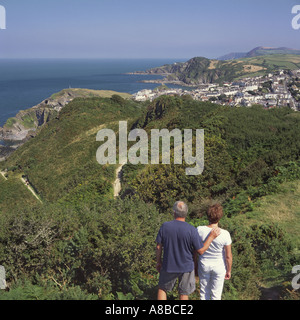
186	284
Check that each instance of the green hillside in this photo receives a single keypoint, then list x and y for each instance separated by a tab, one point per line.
281	209
81	243
61	160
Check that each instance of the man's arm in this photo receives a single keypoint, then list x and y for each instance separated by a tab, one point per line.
213	234
158	256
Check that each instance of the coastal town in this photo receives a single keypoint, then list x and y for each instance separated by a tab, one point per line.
272	90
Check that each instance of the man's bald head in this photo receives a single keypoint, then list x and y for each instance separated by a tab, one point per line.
180	209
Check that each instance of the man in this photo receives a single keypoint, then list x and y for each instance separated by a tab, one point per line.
179	240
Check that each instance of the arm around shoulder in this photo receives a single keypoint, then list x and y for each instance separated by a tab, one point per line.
213	234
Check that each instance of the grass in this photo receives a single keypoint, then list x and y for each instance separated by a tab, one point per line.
28	121
10	122
282	209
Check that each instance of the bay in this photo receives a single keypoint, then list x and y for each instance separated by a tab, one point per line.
26	82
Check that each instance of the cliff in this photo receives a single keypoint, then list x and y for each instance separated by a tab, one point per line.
200	70
25	124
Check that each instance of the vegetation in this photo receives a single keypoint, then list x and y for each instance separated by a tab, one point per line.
82	244
10	122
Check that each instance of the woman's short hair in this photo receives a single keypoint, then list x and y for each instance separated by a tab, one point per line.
215	213
180	209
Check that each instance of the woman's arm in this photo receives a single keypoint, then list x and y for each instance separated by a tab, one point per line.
228	259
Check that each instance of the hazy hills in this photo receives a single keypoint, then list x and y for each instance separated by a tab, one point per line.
259	51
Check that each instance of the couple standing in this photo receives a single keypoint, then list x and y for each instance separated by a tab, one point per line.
180	243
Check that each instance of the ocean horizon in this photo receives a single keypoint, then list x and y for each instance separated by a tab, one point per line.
26	82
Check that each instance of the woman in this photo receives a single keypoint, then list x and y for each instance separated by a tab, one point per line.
215	264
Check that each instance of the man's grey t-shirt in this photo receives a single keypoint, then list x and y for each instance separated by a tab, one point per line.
179	239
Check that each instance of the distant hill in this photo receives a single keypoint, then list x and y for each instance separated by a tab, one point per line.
201	70
259	51
232	56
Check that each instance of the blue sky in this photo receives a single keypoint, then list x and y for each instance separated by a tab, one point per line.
144	29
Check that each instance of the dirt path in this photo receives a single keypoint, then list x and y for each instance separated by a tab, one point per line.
30	189
3	174
117	183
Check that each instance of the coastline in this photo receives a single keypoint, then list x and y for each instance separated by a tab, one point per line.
163	80
175	82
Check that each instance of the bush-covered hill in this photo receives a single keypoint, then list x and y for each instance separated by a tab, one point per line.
200	70
80	243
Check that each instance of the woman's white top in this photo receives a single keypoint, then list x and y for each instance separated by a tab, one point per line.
216	252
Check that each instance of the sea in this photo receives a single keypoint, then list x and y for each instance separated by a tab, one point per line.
25	83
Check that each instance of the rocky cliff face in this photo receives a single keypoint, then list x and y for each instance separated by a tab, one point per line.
5	152
26	122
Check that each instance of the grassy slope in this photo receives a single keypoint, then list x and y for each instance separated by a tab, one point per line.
89	93
282	208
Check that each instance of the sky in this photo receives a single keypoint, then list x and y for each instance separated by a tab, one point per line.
144	28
